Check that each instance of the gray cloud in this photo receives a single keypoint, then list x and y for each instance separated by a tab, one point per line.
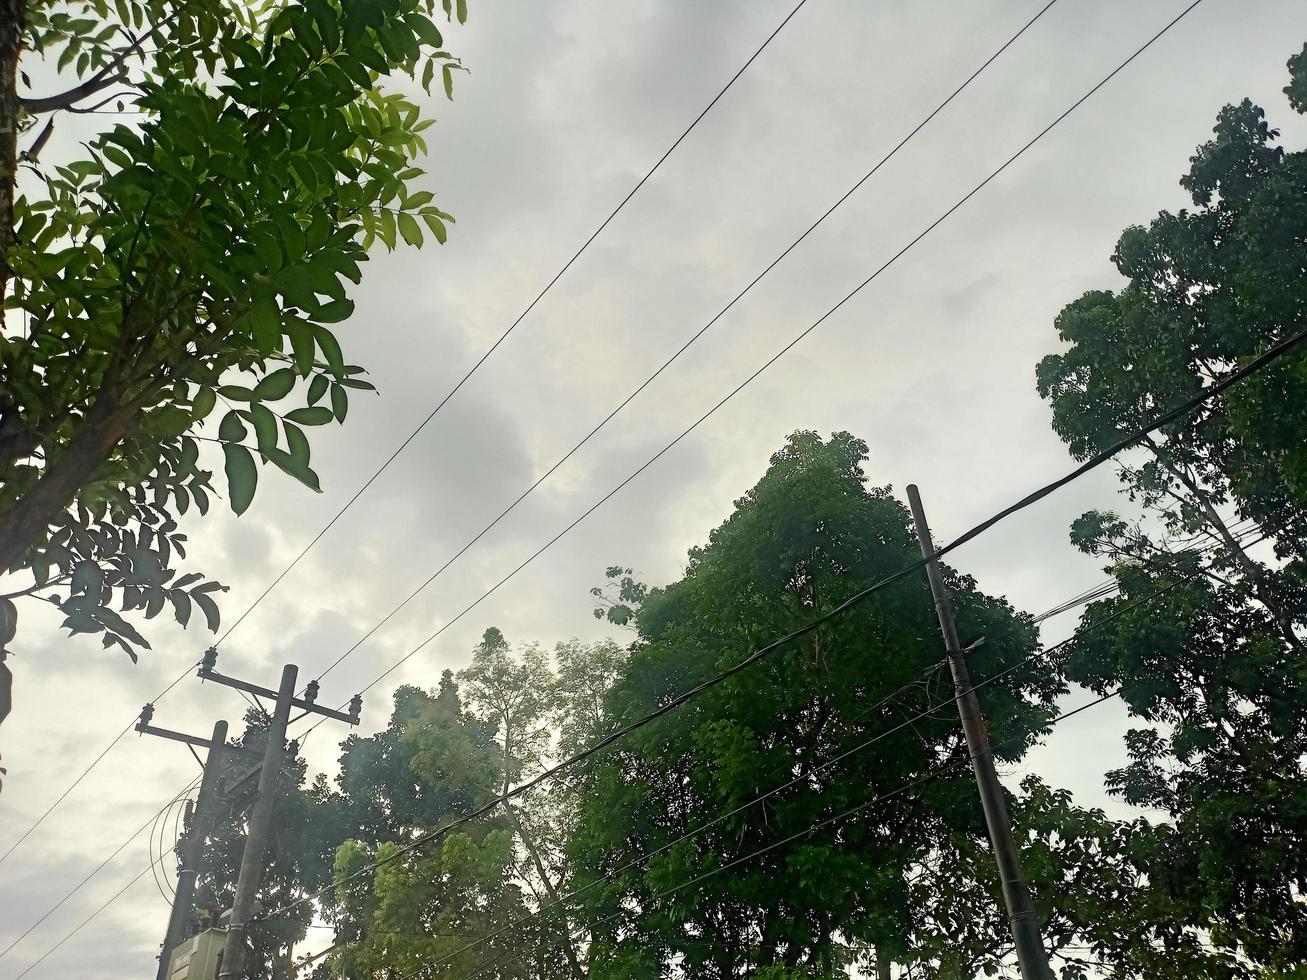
564	108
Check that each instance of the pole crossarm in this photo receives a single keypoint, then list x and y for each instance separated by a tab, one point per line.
308	704
145	728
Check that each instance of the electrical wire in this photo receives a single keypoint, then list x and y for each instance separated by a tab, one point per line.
98	868
160	828
513	326
1027	501
81	925
694	338
441	404
1043	491
774	845
935	224
841	757
1240	531
612	737
1256	364
1083	630
87	771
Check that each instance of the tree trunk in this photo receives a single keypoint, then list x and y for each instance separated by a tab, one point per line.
1251	569
102	431
13	18
569	948
882	966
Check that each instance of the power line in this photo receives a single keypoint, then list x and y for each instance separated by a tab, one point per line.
680	699
84	923
1256	364
928	713
513	326
160	828
441	404
774	845
1111	585
98	868
1082	631
87	771
781	353
694	338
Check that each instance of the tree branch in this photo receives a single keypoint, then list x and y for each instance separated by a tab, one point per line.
74	95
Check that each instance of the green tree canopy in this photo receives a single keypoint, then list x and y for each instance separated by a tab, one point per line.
1215	669
807	536
195	256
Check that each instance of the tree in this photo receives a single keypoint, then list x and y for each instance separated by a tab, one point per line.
1213	669
1102	915
197	254
474	883
807	536
305	831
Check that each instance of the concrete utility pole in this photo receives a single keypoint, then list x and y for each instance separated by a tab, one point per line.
260	822
1031	955
197	834
256	838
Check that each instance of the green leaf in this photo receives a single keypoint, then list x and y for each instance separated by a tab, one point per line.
436	225
317	415
339	402
296	283
237	393
203	402
301	342
409	229
335	311
265	325
292	466
242	476
265	427
425	30
297	443
276	385
232	428
317	388
448	75
209	608
181	604
330	349
8	622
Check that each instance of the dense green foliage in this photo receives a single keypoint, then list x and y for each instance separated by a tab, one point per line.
651	858
612	869
198	253
444	754
1215	670
810	534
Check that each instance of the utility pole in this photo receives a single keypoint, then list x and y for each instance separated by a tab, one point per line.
260	821
1031	955
192	850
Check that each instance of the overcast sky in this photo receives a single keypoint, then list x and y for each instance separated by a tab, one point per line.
564	108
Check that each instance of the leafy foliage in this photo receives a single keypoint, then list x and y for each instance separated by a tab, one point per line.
1213	668
809	534
439	760
200	253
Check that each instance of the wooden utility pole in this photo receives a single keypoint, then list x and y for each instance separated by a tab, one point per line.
260	821
1031	955
197	834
